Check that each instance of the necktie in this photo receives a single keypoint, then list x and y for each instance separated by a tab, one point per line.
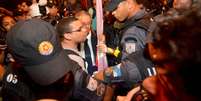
88	57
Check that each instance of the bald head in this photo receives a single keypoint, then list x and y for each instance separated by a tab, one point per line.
85	18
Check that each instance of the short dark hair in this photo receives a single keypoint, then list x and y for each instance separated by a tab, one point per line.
178	34
2	18
64	25
151	4
51	3
178	39
28	2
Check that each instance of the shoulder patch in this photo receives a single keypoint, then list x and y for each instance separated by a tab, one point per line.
130	47
101	89
92	85
117	70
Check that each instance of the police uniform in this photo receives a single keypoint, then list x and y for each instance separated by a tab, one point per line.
51	19
134	33
134	67
14	88
37	48
86	88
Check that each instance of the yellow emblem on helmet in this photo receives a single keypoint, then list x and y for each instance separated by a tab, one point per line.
45	48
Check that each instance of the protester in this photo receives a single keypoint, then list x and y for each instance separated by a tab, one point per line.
86	88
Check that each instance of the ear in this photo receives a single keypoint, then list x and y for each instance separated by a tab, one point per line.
155	53
67	36
150	48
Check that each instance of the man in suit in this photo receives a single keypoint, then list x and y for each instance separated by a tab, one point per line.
88	48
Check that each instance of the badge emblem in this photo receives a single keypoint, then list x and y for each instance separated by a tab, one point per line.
45	48
92	85
101	89
130	47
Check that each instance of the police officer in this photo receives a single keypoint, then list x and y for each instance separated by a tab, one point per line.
13	88
47	68
134	66
36	47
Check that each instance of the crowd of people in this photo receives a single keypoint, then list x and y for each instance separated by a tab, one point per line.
48	51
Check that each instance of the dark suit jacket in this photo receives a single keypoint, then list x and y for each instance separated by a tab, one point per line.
91	68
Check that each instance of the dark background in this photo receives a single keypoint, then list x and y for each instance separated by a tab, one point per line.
8	4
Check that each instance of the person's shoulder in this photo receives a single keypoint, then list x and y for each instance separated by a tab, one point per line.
69	51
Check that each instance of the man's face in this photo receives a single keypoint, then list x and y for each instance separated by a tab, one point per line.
79	32
121	12
53	11
8	22
24	7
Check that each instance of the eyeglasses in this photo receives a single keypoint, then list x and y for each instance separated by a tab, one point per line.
78	30
82	28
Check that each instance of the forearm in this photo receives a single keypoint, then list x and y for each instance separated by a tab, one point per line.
123	72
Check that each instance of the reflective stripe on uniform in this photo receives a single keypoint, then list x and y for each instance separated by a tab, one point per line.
151	71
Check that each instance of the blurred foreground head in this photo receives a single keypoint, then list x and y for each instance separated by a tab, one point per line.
177	49
35	45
